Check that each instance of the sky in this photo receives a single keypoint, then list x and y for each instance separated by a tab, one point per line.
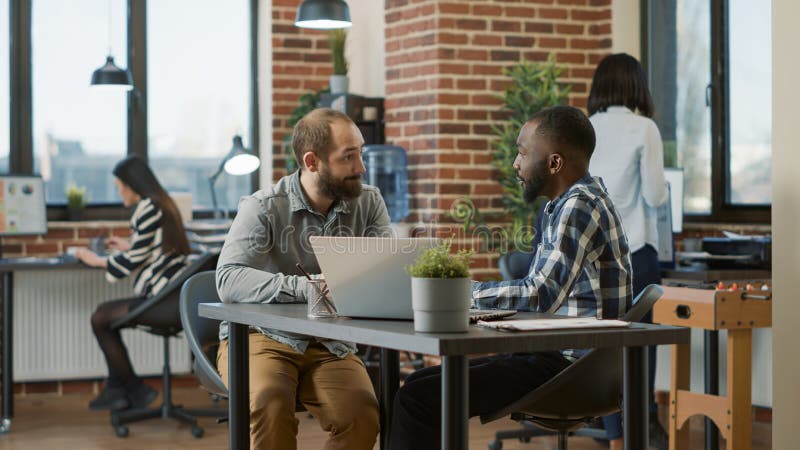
198	80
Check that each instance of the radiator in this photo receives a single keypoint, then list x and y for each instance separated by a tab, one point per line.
53	337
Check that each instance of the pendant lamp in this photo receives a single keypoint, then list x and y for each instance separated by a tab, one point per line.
109	75
323	14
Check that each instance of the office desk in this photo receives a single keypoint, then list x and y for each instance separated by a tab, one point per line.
394	335
8	267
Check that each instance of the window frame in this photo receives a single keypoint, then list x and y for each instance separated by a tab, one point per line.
722	210
21	96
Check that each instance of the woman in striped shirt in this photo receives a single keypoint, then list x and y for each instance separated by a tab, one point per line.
158	248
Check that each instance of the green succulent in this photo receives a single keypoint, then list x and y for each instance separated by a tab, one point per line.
76	196
440	262
336	41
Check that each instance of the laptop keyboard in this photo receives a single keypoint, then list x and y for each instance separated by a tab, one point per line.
488	314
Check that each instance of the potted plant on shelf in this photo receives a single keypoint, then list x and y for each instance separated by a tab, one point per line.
336	42
76	201
440	289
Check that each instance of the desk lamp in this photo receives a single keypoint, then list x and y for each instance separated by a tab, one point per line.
239	161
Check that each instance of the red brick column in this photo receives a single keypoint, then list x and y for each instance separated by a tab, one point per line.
300	63
444	62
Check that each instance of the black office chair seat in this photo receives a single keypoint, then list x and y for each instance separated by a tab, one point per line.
159	315
589	388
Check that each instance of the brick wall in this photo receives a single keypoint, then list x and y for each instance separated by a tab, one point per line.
444	62
61	235
300	63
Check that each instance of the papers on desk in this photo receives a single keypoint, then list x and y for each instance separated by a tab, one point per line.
553	324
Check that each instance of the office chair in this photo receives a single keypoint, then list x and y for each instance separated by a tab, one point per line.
589	388
159	315
203	333
515	265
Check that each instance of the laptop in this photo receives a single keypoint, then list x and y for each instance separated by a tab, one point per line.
367	276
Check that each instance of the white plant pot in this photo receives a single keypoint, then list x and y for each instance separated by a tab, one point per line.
339	84
441	305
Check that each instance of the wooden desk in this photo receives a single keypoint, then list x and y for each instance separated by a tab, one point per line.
394	335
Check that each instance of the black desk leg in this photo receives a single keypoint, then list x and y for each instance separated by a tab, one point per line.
390	382
635	404
455	403
711	378
239	387
8	352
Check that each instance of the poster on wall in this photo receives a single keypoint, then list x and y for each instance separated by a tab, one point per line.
22	205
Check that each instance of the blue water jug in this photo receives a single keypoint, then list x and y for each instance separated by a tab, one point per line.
386	169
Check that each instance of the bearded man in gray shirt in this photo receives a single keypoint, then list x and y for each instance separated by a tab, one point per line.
258	265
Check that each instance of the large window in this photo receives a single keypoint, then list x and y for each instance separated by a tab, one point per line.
5	103
197	102
79	132
751	102
192	64
710	72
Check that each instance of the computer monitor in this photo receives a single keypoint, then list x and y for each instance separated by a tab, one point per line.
23	210
666	242
674	177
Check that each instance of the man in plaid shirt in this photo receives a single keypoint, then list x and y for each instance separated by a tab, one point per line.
581	268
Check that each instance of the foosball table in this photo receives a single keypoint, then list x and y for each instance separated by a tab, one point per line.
736	307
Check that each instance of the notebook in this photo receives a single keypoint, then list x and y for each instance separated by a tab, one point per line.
553	324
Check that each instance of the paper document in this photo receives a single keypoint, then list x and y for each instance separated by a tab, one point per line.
553	324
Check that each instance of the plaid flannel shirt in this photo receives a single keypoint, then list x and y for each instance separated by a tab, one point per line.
582	266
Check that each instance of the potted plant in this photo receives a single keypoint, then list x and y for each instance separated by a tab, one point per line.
336	42
76	201
440	290
535	86
307	103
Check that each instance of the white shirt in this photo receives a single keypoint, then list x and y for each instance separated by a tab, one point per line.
629	157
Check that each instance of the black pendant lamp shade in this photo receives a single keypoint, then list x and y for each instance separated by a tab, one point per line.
323	14
110	75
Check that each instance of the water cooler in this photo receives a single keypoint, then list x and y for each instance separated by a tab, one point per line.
386	169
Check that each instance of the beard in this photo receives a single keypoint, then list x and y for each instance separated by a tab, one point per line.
535	183
338	189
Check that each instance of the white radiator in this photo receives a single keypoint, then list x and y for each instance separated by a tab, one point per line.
53	337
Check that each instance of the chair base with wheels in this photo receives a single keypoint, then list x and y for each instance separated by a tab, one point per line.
531	430
160	315
167	410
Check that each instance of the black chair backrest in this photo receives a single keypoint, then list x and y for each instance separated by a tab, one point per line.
644	303
159	313
202	333
589	387
515	265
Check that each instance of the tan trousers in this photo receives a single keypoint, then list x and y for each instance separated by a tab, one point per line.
337	391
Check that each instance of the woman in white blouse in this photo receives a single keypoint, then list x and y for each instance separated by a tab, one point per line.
629	157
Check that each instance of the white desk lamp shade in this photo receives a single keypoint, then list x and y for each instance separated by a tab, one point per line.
242	164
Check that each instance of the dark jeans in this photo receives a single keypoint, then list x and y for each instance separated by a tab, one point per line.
646	271
494	382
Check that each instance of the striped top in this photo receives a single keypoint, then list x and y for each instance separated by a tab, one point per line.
157	268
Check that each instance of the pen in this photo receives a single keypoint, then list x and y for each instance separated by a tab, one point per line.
308	275
325	292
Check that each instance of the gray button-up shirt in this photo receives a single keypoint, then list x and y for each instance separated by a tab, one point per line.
270	236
